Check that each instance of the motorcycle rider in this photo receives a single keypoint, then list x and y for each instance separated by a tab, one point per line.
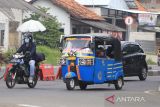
29	46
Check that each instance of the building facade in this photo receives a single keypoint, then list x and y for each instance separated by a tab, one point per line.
9	37
62	16
76	18
151	5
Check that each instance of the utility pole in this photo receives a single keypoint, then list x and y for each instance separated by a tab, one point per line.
128	22
93	3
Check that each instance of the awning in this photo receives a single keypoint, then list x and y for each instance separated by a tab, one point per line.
151	29
133	11
102	25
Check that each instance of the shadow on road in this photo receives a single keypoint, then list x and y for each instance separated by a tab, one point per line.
98	89
132	81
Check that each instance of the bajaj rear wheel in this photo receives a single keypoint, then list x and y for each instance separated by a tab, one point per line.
119	83
70	84
34	83
10	80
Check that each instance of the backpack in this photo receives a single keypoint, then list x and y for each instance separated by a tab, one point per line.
40	57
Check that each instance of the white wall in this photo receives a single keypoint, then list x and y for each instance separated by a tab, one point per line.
97	10
18	17
4	19
62	16
146	39
142	36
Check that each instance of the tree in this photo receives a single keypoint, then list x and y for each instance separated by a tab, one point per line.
51	35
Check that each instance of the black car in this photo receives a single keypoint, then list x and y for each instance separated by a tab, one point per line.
134	60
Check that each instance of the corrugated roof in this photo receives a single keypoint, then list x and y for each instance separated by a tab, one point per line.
77	10
116	4
152	29
103	25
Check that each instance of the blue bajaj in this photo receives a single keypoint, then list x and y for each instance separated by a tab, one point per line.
91	59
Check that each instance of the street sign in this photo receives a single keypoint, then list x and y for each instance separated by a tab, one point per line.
128	20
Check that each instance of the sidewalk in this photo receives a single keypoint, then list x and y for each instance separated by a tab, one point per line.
153	70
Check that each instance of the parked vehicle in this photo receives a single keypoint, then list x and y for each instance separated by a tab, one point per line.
19	73
91	59
134	60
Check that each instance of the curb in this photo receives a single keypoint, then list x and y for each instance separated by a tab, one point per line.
153	73
2	71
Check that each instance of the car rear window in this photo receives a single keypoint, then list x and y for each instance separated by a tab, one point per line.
131	49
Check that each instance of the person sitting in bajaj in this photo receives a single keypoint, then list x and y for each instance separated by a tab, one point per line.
29	46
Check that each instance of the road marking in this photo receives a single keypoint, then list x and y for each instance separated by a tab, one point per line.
148	92
26	105
159	88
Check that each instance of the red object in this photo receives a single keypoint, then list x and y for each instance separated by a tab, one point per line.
59	73
9	66
111	99
47	73
128	20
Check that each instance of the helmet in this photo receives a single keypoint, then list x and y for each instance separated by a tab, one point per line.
28	38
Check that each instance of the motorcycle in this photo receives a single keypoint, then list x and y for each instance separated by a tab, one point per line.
19	73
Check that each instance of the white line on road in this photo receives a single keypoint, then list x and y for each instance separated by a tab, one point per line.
148	92
26	105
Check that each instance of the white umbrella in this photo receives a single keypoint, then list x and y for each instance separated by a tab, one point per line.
31	26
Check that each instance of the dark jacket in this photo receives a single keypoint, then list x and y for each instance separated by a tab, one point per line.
31	48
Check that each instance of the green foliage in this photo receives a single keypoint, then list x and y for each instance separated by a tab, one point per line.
52	55
51	36
151	62
5	57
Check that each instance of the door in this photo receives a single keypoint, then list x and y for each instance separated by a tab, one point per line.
129	60
99	73
139	59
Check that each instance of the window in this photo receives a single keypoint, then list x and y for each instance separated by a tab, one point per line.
131	5
100	51
131	49
137	49
147	1
142	1
2	27
1	37
128	49
111	13
61	30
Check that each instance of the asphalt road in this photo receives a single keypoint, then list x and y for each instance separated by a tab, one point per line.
54	94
